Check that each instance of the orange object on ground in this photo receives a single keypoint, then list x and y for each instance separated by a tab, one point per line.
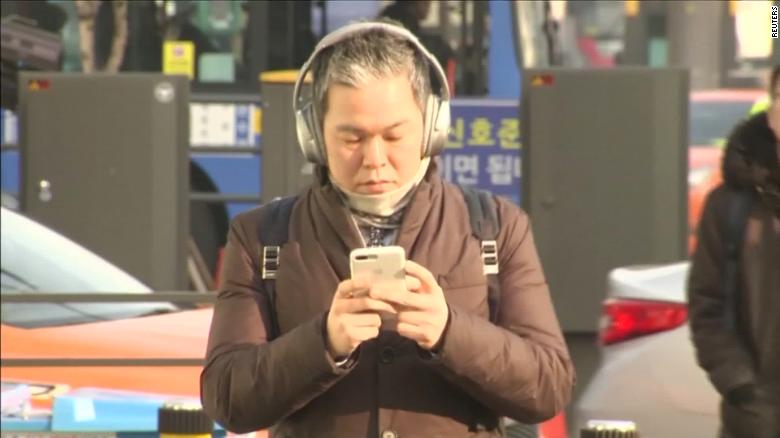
175	335
554	427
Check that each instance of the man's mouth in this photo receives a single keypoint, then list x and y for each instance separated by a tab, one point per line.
375	186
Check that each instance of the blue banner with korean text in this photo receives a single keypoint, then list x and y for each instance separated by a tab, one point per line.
483	149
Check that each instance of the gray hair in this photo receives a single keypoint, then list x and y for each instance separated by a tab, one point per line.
369	55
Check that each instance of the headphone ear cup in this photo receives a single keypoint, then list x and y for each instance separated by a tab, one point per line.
308	134
317	141
428	122
439	128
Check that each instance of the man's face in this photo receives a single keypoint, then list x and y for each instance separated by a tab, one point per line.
373	134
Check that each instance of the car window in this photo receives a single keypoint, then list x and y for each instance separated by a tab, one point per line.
36	258
712	121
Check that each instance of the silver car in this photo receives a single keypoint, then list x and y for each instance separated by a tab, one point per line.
648	372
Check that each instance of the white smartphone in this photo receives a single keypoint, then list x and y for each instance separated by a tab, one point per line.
382	265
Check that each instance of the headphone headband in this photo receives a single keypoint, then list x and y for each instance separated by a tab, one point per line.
349	31
436	110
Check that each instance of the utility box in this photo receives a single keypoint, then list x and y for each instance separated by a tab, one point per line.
284	170
604	177
104	161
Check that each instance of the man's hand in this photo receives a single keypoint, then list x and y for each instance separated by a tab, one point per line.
422	309
353	317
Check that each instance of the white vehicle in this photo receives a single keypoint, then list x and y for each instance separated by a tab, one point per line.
36	258
648	372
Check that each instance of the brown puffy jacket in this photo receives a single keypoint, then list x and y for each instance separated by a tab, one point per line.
747	357
519	368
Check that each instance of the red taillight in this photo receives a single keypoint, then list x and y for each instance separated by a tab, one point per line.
628	319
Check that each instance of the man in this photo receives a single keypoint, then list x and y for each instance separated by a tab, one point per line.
332	369
742	358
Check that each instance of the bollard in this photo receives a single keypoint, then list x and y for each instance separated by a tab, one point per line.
609	429
178	420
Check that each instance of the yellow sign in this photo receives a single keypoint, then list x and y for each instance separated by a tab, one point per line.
733	7
481	133
632	8
283	76
179	58
257	120
456	135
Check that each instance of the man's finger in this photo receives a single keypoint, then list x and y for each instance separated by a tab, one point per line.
412	283
363	333
408	300
410	331
428	281
362	319
364	304
352	287
414	317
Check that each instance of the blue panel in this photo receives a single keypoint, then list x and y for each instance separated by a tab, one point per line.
503	73
235	208
8	424
9	171
92	410
129	414
233	173
483	149
102	410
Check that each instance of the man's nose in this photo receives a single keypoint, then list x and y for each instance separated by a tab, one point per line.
374	153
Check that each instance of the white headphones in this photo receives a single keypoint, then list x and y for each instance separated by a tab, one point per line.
437	109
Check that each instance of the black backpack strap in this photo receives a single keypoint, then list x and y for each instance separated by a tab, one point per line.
275	221
483	217
739	202
482	213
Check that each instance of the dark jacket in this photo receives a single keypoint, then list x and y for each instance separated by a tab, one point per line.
744	363
519	368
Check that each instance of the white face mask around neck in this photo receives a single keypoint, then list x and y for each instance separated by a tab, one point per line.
384	204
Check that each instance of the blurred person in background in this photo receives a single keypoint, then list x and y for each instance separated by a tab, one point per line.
411	14
736	328
317	361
